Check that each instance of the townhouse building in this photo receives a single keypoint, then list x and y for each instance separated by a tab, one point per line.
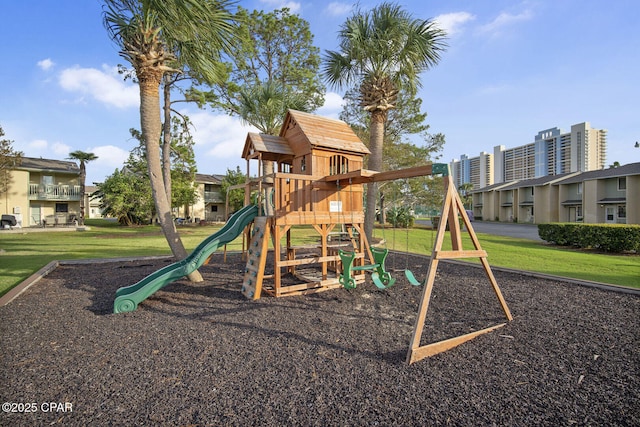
211	203
47	192
42	191
601	196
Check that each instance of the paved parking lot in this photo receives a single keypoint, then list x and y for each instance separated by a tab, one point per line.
509	229
523	231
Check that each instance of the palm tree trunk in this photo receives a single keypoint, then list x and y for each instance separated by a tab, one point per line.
376	140
83	178
166	140
151	129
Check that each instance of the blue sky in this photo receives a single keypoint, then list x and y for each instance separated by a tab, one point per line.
512	68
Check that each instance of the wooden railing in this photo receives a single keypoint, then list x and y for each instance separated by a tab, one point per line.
305	199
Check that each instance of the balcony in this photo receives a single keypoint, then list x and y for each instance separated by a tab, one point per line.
54	192
213	197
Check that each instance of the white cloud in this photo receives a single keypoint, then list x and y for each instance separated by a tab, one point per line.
294	6
503	20
61	150
218	136
45	149
452	23
338	9
46	64
104	85
109	156
332	107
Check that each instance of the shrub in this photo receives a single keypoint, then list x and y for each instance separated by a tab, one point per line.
400	217
604	237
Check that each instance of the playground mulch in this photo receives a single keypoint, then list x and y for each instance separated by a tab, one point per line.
200	354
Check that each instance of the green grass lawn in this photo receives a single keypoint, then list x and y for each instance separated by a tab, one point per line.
25	253
528	255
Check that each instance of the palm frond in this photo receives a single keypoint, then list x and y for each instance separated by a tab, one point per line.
384	43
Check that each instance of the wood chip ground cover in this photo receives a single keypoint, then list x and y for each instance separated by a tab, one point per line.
200	354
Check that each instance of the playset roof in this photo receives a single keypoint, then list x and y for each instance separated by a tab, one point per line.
317	132
324	132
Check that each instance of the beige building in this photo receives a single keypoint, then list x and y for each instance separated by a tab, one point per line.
487	204
47	192
211	203
602	196
43	191
92	206
478	171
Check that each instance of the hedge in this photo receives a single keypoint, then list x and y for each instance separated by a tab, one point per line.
604	237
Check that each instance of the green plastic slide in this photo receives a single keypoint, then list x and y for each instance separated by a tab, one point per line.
128	297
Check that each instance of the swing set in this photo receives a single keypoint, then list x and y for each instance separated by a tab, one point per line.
452	209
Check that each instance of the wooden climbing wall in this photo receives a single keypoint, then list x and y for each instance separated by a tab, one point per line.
256	259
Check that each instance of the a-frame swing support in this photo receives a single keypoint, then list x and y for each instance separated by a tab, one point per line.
451	208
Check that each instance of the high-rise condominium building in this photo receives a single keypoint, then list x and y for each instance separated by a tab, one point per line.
552	153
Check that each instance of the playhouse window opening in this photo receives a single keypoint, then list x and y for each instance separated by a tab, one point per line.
338	165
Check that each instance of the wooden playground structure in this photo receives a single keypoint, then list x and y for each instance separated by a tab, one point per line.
318	181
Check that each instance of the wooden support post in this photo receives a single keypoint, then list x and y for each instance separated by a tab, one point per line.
323	231
277	273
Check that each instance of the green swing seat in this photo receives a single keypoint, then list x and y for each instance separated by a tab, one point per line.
380	277
412	279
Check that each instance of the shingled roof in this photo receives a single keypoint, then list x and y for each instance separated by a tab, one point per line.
494	187
48	165
274	148
209	179
624	170
543	180
324	132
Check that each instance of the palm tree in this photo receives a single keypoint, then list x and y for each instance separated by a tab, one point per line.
382	51
465	194
264	106
159	37
83	158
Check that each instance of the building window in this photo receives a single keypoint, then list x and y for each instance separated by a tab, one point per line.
622	183
303	164
214	208
579	188
622	211
578	211
62	207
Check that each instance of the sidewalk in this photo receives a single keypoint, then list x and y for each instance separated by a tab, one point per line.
23	230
